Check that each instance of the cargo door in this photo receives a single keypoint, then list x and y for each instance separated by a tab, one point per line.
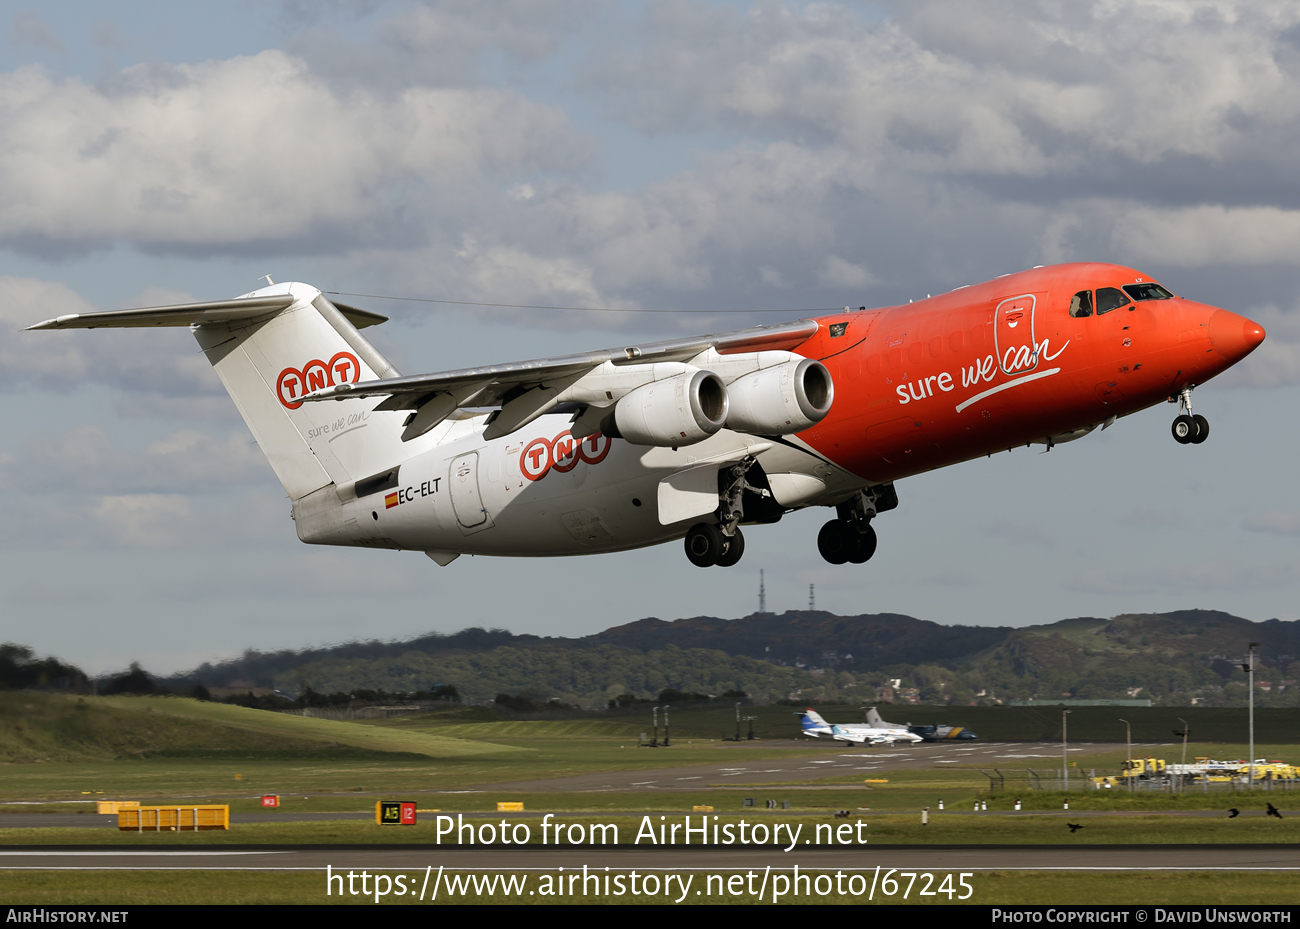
466	499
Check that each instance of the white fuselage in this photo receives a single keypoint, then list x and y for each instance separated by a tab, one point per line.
538	492
863	734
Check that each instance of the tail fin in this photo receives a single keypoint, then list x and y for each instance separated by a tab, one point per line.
813	720
267	365
272	346
874	720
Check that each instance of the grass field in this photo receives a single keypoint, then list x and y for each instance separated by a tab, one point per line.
999	723
63	753
887	828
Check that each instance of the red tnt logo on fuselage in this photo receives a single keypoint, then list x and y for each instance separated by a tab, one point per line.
562	454
295	383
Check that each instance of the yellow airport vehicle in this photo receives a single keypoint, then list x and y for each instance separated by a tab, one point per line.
1204	770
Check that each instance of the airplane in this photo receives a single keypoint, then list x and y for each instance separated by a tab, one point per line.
818	728
691	438
937	733
943	732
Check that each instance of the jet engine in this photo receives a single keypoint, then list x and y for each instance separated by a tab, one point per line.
781	400
679	410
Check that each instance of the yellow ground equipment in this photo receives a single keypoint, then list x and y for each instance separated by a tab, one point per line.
173	818
1142	769
113	807
1204	771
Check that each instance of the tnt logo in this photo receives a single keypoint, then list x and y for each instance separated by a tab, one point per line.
293	383
562	454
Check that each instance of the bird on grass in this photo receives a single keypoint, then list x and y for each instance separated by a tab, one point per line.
1074	827
843	814
1272	811
1233	813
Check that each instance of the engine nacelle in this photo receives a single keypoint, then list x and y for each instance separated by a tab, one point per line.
781	400
680	410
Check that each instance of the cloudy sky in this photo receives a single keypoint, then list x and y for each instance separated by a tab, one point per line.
722	158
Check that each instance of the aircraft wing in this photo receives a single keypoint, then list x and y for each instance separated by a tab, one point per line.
522	390
197	314
526	390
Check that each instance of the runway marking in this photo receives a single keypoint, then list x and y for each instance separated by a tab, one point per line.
136	853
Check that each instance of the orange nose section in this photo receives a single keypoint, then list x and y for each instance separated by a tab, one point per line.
1234	337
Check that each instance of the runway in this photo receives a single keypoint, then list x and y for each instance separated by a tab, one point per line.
413	859
805	763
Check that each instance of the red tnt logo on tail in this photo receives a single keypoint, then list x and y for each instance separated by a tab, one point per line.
295	383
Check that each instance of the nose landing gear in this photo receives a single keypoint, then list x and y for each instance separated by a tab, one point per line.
1189	428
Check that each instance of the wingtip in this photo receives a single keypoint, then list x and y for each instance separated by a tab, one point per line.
54	323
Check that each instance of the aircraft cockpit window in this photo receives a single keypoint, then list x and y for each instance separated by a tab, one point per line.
1147	291
1109	298
1081	304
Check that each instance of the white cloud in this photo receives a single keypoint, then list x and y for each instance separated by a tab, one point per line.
1003	88
84	459
1018	534
1201	235
1214	576
142	520
840	273
253	152
64	517
1278	521
30	28
145	363
1276	362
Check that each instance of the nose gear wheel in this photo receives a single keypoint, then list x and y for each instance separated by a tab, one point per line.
1189	428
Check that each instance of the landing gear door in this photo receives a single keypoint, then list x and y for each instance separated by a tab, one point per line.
1013	335
466	500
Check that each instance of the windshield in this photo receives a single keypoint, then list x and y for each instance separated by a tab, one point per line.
1150	291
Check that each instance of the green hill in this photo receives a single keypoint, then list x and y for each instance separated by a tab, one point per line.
1183	658
57	727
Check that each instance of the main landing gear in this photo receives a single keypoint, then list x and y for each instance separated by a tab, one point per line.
850	537
722	543
706	546
1189	429
841	541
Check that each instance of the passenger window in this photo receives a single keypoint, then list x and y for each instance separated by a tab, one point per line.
1150	291
1081	304
1109	298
